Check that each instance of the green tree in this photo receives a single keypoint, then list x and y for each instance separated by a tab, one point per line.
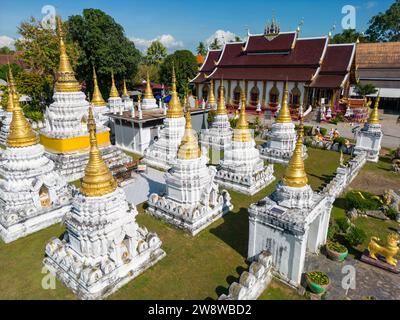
156	53
185	68
385	26
365	89
40	47
237	39
347	36
103	44
6	50
153	70
15	68
201	49
215	45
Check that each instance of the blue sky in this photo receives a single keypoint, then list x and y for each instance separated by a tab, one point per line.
183	23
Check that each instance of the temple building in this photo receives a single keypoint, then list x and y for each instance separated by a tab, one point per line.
162	152
291	221
32	195
219	136
192	200
242	169
369	138
103	247
65	136
260	66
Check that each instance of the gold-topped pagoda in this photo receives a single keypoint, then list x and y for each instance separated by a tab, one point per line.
221	109
148	94
98	180
189	147
284	112
374	116
174	106
125	90
113	91
66	81
295	175
211	97
97	98
242	133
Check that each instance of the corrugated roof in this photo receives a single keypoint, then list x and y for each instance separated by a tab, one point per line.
378	55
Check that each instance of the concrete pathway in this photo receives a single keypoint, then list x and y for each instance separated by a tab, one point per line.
145	184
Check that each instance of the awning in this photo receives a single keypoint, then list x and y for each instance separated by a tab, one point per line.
383	92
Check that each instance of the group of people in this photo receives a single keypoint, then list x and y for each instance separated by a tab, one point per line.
333	133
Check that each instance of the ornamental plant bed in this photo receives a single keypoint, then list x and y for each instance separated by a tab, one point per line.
336	251
317	281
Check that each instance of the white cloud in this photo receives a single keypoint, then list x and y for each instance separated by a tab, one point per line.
6	41
371	4
166	39
222	37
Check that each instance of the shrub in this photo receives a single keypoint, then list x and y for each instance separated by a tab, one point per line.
332	231
391	213
323	131
343	224
355	236
355	200
337	247
308	130
341	141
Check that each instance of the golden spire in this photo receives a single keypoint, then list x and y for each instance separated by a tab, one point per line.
125	90
174	106
211	97
242	133
374	116
21	133
295	175
10	101
97	98
221	100
98	180
113	92
148	94
284	113
189	147
66	81
12	88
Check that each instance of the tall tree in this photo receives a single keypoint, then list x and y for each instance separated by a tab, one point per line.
143	69
385	26
39	47
156	53
215	45
15	68
103	44
201	49
185	68
6	50
347	36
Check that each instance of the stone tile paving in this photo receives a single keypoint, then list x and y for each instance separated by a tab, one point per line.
370	281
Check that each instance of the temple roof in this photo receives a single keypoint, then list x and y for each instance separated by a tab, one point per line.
378	55
259	43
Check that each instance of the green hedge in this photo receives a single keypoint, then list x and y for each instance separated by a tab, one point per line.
355	200
355	236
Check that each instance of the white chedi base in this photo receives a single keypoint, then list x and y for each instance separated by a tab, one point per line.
162	153
103	247
192	200
243	170
5	127
148	104
32	195
101	115
369	140
281	143
115	105
219	136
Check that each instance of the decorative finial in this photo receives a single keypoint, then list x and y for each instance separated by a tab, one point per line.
97	98
125	90
148	94
211	96
221	109
284	112
189	147
374	117
242	133
66	81
295	175
98	180
174	106
113	91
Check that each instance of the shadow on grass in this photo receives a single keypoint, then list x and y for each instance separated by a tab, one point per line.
341	203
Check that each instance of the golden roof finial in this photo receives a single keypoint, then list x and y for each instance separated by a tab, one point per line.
284	113
21	133
66	81
148	94
125	90
97	98
211	97
13	86
221	110
98	180
174	106
113	92
374	116
295	175
189	147
242	133
10	100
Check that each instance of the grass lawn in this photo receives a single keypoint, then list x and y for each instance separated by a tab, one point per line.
279	291
200	267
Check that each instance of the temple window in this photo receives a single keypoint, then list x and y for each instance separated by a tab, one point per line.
204	92
254	96
236	94
274	96
44	197
295	97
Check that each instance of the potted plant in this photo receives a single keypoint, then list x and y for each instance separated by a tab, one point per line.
317	281
336	251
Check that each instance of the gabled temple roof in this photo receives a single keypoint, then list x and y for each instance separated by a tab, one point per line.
260	43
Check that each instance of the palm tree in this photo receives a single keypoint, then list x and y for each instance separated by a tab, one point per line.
201	48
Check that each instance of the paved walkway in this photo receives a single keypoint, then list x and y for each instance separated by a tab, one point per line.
370	281
145	184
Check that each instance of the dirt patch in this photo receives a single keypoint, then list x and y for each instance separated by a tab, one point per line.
375	182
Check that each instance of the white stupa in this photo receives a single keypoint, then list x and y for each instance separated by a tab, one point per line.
192	200
114	101
219	136
148	102
162	152
242	169
65	136
101	109
32	195
369	138
282	137
103	247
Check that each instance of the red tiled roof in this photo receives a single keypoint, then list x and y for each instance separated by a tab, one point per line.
208	65
337	58
12	58
259	43
328	81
